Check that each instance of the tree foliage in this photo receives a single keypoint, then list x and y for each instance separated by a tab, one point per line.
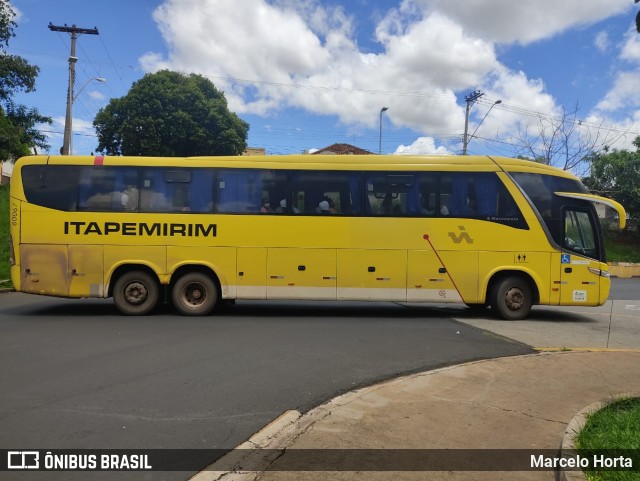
17	122
616	174
170	114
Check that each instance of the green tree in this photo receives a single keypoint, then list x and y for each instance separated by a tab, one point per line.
170	114
17	122
616	174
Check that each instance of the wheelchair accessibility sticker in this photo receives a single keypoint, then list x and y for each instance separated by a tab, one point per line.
565	259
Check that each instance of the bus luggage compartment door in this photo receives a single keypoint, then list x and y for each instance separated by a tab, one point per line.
86	271
294	273
428	280
372	274
44	269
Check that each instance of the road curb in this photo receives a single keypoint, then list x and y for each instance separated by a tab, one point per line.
260	440
577	423
279	434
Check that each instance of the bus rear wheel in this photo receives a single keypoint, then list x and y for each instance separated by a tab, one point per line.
135	293
512	298
194	294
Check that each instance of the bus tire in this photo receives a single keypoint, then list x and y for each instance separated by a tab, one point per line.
136	293
512	298
194	294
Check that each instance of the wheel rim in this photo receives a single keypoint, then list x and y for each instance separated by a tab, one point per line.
194	294
514	298
136	293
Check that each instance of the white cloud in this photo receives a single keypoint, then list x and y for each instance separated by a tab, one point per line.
619	110
601	41
422	146
96	95
437	50
631	49
19	15
625	93
624	96
268	56
524	21
302	43
84	139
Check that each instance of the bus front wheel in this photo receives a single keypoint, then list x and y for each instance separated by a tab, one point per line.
194	294
135	293
512	298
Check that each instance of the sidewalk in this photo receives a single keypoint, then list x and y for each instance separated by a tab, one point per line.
509	403
521	402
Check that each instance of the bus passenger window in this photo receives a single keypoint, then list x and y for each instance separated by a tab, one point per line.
51	186
266	208
176	190
250	191
392	195
108	189
129	198
324	192
427	189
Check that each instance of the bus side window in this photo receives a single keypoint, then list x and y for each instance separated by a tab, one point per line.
326	193
454	200
51	186
108	189
176	190
427	190
392	195
250	191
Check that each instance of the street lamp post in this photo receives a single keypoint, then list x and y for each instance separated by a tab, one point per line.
67	147
383	109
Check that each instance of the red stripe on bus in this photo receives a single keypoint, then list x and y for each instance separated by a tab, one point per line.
98	160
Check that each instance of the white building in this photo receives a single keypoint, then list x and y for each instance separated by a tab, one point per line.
6	168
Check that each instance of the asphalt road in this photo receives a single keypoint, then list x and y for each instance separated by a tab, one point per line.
76	374
625	289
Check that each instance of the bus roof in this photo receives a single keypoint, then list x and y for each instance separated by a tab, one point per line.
324	162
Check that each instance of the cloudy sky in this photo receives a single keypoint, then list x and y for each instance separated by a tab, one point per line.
309	73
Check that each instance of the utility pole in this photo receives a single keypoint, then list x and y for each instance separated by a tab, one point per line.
382	110
74	31
470	99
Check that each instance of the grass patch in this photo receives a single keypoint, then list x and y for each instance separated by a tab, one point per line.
622	246
4	236
614	427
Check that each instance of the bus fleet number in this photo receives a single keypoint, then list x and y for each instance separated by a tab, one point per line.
14	215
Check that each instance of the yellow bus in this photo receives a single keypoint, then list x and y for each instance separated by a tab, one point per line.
484	231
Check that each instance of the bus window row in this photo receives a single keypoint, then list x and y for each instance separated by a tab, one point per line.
261	191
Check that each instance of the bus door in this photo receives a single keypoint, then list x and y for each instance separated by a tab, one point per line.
579	269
